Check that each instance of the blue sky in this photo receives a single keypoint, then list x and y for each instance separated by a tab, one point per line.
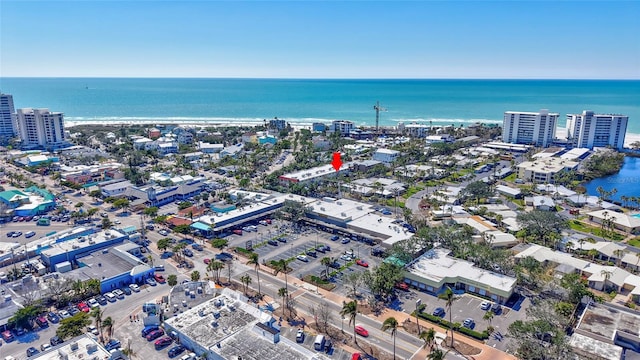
321	39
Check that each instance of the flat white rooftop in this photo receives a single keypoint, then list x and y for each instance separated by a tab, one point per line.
435	265
342	209
313	173
82	242
80	348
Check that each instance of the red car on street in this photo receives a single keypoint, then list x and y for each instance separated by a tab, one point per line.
207	261
362	263
361	331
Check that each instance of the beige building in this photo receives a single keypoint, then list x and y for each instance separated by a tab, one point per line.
544	170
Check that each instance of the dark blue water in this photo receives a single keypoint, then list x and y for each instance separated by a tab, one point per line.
626	181
304	101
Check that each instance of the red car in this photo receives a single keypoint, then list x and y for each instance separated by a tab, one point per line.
84	307
362	263
159	278
402	286
361	331
207	261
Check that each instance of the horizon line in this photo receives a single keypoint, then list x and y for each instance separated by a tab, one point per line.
316	78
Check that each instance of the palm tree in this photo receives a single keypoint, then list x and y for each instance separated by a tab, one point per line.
488	316
350	310
607	275
429	337
391	324
281	266
254	260
195	275
619	254
97	313
449	297
282	292
108	324
437	354
246	280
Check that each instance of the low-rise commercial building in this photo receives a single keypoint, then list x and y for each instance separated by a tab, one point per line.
436	270
311	175
83	347
386	156
227	327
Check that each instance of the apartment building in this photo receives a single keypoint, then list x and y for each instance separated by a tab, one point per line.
7	114
40	128
533	128
589	130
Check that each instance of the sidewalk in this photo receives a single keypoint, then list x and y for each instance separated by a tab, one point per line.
486	352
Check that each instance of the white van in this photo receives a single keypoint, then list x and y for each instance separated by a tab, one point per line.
110	297
318	344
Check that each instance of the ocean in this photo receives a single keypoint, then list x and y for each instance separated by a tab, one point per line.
441	102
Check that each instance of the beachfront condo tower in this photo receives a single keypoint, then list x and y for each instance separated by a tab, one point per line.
589	130
531	128
40	128
7	113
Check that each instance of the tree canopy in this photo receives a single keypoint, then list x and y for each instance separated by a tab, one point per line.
542	226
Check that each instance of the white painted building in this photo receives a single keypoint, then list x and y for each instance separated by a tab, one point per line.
544	170
342	126
40	128
7	114
589	130
537	128
386	156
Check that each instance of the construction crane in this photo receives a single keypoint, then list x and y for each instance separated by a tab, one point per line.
378	108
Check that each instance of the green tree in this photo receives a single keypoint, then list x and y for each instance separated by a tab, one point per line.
195	275
437	354
281	266
163	244
172	280
121	204
283	293
108	325
106	223
477	190
544	225
391	323
254	260
429	337
350	310
23	318
97	314
219	243
449	297
73	326
246	280
151	211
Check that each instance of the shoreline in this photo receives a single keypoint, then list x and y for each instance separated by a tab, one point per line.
628	140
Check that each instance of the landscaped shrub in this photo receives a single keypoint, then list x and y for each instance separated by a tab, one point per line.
456	326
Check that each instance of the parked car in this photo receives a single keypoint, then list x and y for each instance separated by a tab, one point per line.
302	258
92	329
63	314
402	286
163	343
93	303
335	238
362	263
110	297
486	305
155	334
7	336
55	341
345	241
126	290
112	344
102	300
312	253
159	278
45	347
345	257
134	287
42	321
300	336
32	351
84	307
151	282
30	234
438	312
163	232
149	329
53	317
197	247
176	350
282	239
361	331
468	323
496	308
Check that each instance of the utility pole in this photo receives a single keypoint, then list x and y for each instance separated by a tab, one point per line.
378	108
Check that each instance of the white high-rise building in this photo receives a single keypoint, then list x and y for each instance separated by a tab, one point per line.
589	130
40	128
532	128
7	114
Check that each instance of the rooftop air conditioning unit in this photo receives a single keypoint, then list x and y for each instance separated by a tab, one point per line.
343	214
74	346
75	247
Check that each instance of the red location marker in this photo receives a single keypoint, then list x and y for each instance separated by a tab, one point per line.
337	162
